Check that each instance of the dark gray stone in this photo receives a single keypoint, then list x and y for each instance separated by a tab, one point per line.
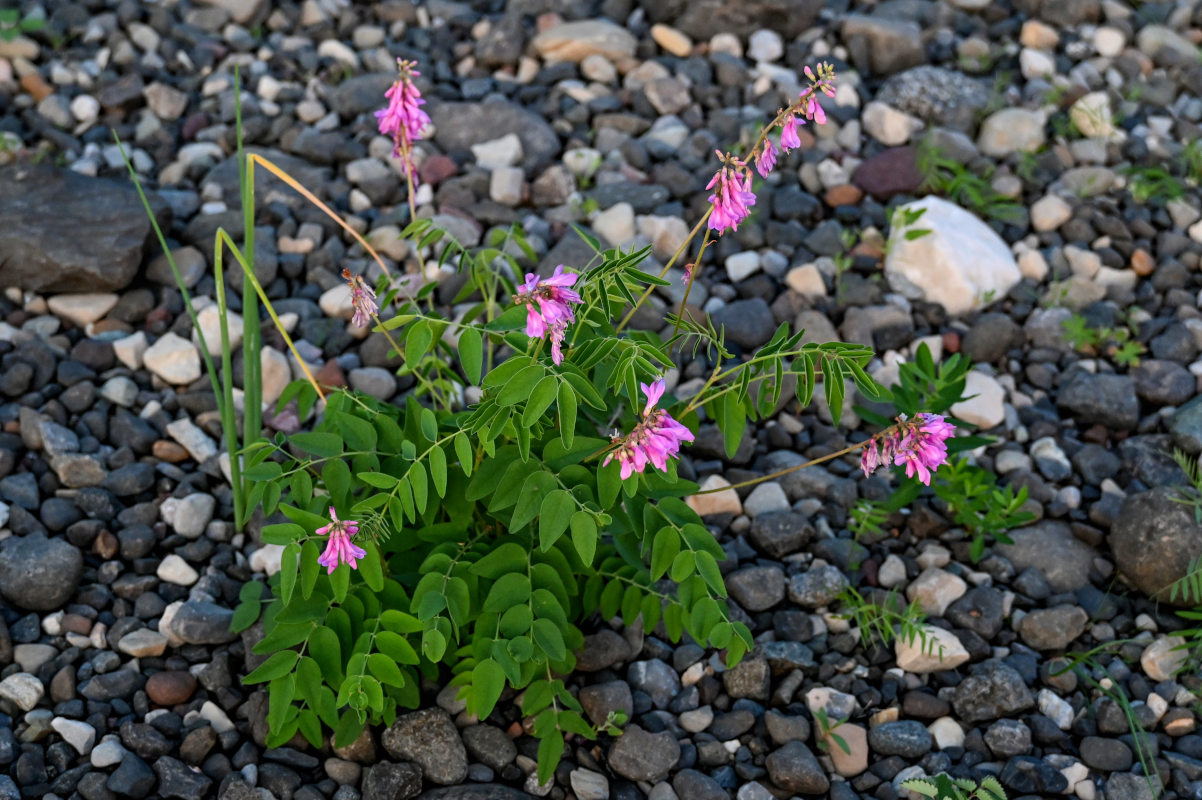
794	768
61	231
1108	400
641	756
748	323
906	738
429	739
179	781
461	125
389	781
1050	547
38	574
701	19
779	533
1152	538
993	690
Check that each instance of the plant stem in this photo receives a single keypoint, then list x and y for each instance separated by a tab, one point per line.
787	470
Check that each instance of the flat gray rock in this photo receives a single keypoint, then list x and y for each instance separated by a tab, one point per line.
65	232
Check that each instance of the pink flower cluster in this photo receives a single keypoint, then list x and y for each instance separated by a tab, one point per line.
363	299
919	444
403	118
549	307
654	440
340	549
732	195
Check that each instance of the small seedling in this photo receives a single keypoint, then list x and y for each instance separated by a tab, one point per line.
12	24
826	732
1118	343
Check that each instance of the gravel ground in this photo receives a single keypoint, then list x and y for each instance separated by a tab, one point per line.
118	561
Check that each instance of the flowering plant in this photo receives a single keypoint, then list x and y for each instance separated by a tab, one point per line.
482	523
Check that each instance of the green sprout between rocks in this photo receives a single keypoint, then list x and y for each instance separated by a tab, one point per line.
945	787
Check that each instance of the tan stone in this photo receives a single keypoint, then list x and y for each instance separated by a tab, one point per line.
720	502
854	760
672	40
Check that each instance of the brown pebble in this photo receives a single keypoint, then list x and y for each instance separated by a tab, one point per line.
438	168
110	325
844	195
170	452
36	85
62	685
106	545
76	623
1142	262
170	688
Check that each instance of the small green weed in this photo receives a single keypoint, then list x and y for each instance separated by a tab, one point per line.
944	787
826	732
12	24
881	623
953	180
1118	344
1153	185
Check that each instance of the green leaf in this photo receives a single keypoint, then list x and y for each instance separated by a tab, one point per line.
584	536
516	620
463	451
327	652
609	483
385	669
471	353
540	400
534	490
289	561
429	424
522	384
278	665
682	567
510	590
550	751
434	644
372	567
508	557
358	433
733	422
549	639
396	647
340	581
664	549
567	414
708	567
322	445
554	516
438	470
417	341
350	725
378	480
282	533
488	681
245	615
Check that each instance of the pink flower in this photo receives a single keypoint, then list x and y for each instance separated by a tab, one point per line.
788	133
549	307
339	548
363	299
765	159
813	110
654	440
919	445
403	118
732	197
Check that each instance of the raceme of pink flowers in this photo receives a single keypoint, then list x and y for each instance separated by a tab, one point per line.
363	299
549	304
403	118
732	197
654	440
339	548
918	444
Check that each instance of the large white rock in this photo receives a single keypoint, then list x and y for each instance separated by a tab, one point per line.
985	404
209	319
575	41
962	264
888	125
1092	115
82	309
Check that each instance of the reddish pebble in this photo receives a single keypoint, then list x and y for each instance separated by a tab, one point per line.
330	375
844	195
437	168
951	342
1142	262
170	688
36	85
